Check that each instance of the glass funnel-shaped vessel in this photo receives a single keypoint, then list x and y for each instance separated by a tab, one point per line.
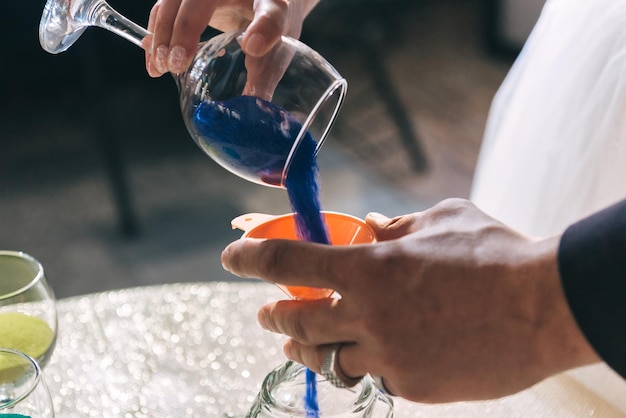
253	135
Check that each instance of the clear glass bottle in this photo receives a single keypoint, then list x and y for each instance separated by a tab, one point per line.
283	395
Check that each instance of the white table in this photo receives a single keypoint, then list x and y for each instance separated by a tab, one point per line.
195	350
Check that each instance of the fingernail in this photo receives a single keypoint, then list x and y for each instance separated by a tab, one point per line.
263	320
147	45
255	45
287	349
160	59
150	69
223	258
376	215
177	59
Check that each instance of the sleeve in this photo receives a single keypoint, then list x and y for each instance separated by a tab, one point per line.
592	265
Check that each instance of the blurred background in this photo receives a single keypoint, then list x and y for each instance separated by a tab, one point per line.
100	181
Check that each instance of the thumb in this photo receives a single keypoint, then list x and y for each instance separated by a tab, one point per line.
266	27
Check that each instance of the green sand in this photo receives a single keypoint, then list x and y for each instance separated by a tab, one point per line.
25	333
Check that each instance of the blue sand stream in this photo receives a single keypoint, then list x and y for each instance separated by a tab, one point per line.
257	136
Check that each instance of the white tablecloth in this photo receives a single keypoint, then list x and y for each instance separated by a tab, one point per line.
195	350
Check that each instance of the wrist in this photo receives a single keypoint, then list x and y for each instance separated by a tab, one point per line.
560	343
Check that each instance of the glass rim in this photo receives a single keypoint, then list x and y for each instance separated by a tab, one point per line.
338	85
35	380
364	393
327	213
37	277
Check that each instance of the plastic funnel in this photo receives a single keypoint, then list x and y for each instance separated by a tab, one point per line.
342	230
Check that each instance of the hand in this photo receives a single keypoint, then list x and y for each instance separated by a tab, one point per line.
449	305
176	26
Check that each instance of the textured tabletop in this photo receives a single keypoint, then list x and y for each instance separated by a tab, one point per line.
195	350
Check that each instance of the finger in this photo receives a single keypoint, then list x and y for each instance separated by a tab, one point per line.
347	358
296	263
308	321
191	21
264	73
162	32
232	18
148	41
266	28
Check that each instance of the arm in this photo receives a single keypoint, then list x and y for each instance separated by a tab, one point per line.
592	263
450	305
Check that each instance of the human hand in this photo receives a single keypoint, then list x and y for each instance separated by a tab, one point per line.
176	27
449	305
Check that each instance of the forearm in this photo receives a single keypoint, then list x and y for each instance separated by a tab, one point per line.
592	265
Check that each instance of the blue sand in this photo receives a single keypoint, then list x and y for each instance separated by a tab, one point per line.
310	398
250	135
302	185
303	190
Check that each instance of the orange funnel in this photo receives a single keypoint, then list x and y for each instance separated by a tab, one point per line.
342	230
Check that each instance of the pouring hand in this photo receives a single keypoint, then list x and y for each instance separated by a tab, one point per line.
177	25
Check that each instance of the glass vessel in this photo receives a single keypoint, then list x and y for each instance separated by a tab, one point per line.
247	116
28	318
281	396
23	393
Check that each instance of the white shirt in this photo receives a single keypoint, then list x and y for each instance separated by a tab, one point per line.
554	149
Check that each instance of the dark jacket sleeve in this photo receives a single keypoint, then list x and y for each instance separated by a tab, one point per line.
592	264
